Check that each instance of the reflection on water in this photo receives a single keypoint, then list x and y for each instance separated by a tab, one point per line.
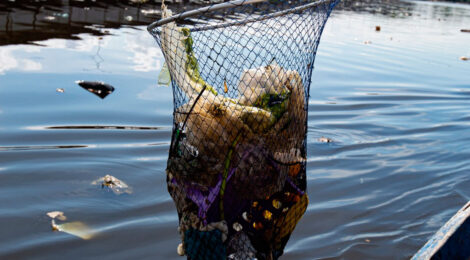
33	21
397	111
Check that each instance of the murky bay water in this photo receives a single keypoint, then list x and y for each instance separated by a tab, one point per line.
396	108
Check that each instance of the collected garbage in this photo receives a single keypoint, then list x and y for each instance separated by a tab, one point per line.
237	161
98	88
164	78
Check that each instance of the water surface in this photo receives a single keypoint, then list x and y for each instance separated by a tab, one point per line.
396	108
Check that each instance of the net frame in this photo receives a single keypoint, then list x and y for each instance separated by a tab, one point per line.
237	176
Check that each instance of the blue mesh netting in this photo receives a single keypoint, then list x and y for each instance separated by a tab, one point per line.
237	161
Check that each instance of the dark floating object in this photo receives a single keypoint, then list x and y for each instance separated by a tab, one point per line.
377	28
98	88
452	241
465	30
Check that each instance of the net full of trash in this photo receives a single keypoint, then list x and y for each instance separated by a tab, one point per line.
240	73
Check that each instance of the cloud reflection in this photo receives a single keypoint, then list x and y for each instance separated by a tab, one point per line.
147	56
8	61
87	43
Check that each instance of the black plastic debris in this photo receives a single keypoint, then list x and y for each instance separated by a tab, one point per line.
98	88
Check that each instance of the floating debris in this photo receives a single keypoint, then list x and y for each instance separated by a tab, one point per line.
367	240
465	30
57	214
75	228
325	140
464	58
377	28
98	88
113	183
367	42
60	90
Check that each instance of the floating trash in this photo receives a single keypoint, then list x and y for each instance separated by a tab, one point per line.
60	90
57	214
98	88
237	160
465	30
76	228
114	184
377	28
464	58
325	140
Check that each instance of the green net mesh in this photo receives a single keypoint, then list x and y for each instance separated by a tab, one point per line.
237	161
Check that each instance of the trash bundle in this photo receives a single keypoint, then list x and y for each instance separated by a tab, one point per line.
241	74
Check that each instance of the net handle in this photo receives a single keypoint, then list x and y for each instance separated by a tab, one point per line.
202	10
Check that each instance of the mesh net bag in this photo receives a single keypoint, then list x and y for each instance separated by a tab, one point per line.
241	74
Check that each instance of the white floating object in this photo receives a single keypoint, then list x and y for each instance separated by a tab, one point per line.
57	214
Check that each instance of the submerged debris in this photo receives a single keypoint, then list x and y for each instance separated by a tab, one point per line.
113	183
75	228
98	88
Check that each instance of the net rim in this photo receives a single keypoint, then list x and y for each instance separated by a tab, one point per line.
230	4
